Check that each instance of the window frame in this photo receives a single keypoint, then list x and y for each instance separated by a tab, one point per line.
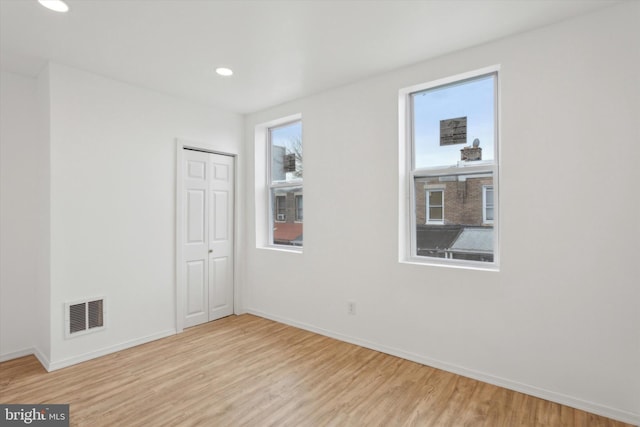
407	245
295	185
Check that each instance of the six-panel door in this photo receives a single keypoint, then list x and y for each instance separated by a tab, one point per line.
208	200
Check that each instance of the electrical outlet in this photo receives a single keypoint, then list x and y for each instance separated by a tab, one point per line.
351	307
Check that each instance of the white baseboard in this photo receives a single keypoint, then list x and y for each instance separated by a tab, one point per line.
59	364
16	354
52	366
595	408
44	360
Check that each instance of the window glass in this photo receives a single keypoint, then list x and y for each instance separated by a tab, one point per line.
444	117
459	230
286	153
285	178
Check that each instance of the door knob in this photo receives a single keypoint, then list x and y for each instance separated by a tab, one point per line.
210	251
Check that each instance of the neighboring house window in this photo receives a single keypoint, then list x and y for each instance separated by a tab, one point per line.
435	207
285	183
452	166
298	207
487	204
281	208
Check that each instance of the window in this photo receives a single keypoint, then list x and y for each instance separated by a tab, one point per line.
281	208
298	207
450	147
285	183
435	207
487	204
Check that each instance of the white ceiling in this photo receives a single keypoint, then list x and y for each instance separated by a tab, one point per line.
279	50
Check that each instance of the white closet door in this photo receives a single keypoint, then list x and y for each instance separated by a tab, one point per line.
208	230
221	236
196	233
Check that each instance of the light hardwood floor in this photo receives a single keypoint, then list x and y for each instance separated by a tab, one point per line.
249	371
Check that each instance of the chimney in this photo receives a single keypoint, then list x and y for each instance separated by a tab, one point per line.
470	154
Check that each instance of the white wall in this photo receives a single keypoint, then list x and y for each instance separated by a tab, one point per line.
560	320
113	204
21	200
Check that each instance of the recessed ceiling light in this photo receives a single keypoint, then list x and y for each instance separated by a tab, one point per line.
57	5
226	72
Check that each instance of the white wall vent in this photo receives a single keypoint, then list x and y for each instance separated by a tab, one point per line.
84	316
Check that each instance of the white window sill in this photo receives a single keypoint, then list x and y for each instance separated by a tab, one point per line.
452	263
283	248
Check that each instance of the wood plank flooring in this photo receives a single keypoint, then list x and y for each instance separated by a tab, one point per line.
249	371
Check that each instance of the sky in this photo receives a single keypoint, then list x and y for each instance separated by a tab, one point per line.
473	99
282	135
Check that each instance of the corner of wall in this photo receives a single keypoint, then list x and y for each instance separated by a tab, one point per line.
42	334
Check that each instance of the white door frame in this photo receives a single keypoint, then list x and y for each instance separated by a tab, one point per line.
181	144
